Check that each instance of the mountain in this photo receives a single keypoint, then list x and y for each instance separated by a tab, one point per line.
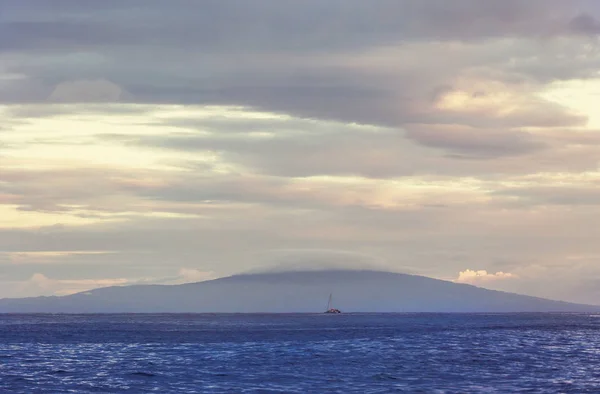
308	291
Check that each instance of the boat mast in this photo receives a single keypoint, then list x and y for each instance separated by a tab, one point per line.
329	303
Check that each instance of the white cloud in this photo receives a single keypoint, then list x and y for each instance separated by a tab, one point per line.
43	285
434	132
482	276
190	275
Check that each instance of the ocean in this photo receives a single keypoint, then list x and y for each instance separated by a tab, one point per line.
300	353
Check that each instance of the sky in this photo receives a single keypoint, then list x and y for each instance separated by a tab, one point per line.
171	142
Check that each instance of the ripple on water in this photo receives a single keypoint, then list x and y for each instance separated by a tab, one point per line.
301	353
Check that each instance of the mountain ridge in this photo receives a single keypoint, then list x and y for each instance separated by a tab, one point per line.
295	291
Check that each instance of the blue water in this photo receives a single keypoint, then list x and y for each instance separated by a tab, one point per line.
370	353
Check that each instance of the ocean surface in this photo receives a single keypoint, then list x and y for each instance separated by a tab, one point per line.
303	353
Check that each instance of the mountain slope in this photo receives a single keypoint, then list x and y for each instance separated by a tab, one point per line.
354	291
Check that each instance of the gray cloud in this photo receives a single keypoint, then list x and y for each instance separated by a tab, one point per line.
307	59
32	190
477	143
24	112
567	195
302	148
287	25
238	242
585	24
448	84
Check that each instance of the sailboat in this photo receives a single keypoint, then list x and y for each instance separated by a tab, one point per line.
330	309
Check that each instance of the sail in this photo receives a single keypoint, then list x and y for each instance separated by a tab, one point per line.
330	308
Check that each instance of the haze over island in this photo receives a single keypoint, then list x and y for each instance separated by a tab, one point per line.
294	292
150	142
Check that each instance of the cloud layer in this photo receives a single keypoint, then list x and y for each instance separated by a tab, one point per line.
481	276
142	142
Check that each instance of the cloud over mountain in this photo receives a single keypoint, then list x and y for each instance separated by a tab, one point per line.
423	136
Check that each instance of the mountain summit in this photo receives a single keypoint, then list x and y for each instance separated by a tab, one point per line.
301	291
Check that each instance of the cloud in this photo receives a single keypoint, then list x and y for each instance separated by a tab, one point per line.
87	91
205	135
284	260
482	276
212	157
262	56
42	285
265	26
556	195
47	257
335	148
477	143
189	275
585	24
